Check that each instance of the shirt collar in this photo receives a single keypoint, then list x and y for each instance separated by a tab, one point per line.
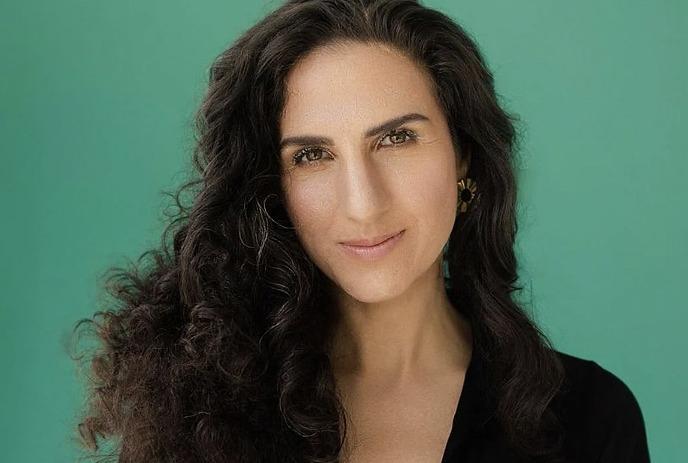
476	404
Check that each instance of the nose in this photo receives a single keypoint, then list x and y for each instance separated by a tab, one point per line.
364	189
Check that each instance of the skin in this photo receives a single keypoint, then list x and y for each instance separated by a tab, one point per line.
401	350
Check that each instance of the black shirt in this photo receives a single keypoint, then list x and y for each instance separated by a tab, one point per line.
604	422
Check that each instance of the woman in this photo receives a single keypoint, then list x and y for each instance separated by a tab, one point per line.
341	288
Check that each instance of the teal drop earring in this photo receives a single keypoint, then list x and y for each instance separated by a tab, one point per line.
445	264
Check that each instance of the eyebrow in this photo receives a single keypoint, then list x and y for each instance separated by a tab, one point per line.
303	140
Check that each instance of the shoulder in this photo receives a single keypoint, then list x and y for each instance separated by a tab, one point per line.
591	385
600	412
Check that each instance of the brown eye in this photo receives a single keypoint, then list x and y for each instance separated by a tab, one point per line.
399	137
308	153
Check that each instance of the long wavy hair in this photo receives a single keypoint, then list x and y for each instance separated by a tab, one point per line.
214	346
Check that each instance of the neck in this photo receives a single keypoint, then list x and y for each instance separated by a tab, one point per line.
404	338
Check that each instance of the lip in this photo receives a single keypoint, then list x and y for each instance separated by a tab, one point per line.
384	245
370	242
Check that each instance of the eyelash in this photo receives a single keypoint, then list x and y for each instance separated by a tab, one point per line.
410	135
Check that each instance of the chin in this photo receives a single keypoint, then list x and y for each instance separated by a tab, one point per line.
372	290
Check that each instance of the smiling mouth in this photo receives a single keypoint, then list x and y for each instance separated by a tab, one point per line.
375	251
370	242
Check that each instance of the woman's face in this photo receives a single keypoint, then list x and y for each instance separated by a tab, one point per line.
354	183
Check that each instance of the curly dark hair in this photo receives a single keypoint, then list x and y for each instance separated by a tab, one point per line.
215	345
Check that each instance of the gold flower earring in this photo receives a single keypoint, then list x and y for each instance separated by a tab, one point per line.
467	192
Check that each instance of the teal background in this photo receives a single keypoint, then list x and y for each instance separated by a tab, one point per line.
97	101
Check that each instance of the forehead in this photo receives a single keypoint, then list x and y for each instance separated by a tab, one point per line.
354	83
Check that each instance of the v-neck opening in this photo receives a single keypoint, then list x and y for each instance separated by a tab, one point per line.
467	416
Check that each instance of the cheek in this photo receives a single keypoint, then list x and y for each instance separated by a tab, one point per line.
432	194
309	207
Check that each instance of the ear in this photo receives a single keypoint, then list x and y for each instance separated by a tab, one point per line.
463	163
